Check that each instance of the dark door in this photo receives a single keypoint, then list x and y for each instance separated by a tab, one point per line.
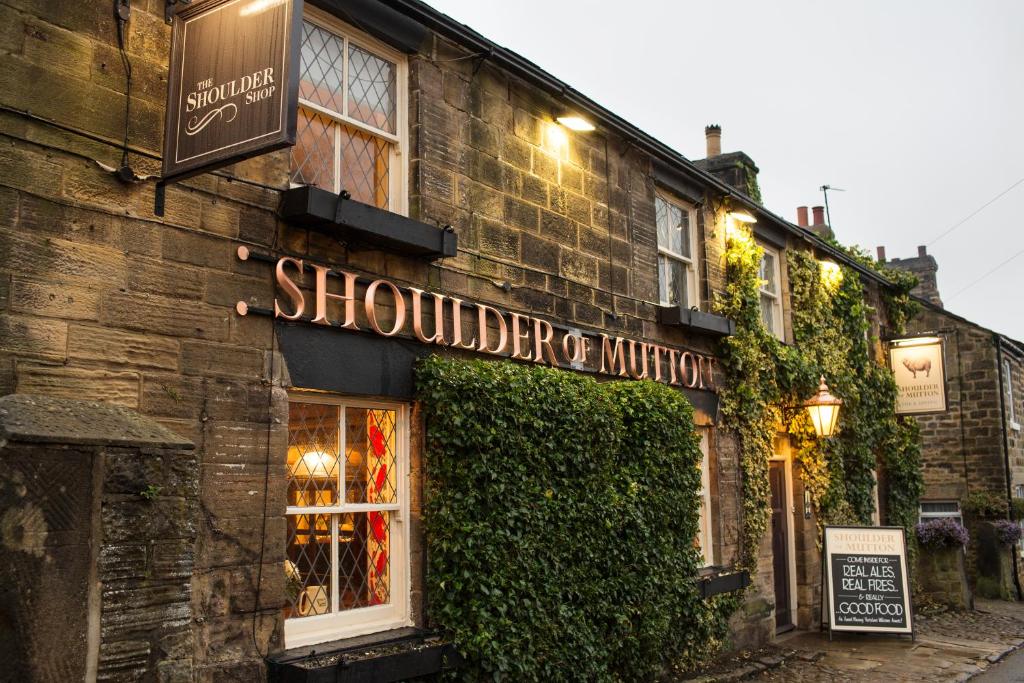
780	545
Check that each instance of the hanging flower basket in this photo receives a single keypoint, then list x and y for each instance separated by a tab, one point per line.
941	533
1007	532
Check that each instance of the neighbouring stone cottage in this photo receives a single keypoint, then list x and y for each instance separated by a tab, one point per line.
972	453
263	329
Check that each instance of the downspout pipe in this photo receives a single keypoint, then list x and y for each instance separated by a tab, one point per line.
1006	452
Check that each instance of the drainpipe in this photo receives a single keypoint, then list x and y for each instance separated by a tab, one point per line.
1006	452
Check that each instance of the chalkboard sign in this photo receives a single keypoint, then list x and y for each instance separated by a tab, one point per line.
233	83
866	579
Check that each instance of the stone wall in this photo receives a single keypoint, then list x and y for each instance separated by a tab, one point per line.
100	298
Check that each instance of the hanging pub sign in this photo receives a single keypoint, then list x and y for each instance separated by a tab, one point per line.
233	83
866	586
920	374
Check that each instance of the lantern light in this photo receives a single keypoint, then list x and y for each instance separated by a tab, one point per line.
823	408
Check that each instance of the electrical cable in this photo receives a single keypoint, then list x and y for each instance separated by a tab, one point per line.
122	11
975	212
984	275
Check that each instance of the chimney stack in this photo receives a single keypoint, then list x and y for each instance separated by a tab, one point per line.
881	254
801	216
713	135
922	251
819	215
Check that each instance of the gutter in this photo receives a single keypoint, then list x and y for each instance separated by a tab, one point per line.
1006	453
533	74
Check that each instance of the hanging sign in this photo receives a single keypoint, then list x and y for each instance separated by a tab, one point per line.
233	83
920	374
866	579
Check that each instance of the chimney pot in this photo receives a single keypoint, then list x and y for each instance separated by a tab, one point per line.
881	254
819	215
713	137
801	216
922	251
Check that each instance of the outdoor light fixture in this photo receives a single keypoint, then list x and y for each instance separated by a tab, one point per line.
831	273
556	137
914	341
807	503
824	411
742	217
576	123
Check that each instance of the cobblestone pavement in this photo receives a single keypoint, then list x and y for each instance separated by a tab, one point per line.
951	646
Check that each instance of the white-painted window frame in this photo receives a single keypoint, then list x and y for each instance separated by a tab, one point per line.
302	631
925	515
689	262
398	162
1008	393
778	327
705	533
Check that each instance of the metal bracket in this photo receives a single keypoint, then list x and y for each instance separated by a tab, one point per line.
342	196
170	8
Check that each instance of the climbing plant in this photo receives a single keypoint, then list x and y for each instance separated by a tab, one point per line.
832	335
560	517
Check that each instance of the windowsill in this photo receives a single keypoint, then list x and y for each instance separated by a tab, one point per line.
696	320
400	653
359	223
714	580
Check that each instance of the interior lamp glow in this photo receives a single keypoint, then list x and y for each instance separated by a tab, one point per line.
823	408
318	463
576	123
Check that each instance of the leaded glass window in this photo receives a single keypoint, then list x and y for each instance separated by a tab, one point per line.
349	134
344	566
677	277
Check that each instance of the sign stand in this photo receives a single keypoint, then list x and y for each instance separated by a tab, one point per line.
865	581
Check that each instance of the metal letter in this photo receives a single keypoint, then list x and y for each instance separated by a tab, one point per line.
293	291
542	342
482	310
519	336
417	317
608	354
371	312
457	327
322	295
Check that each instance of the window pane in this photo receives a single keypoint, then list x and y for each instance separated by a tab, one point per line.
312	160
364	560
673	225
766	272
768	312
321	67
313	450
364	167
672	282
370	475
371	89
308	567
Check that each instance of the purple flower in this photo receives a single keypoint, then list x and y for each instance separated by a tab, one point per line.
1008	532
941	533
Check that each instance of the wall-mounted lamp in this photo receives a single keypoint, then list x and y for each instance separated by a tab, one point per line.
831	273
823	408
576	123
742	217
807	502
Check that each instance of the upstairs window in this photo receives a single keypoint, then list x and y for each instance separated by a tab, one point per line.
941	509
677	252
1008	390
770	291
351	120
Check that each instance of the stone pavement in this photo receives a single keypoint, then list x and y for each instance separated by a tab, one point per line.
950	646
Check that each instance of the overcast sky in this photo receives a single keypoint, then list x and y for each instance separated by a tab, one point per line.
915	108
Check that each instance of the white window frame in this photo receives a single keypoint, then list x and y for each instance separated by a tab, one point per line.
398	162
1019	493
778	327
1008	393
705	534
302	631
690	262
925	515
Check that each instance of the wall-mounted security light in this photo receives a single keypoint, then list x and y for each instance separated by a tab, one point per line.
576	123
742	217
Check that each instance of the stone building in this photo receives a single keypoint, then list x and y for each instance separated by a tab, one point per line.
974	446
429	166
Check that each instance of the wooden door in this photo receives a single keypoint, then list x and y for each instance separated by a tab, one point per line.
780	545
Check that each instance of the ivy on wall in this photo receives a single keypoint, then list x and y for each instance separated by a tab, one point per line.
830	321
560	515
